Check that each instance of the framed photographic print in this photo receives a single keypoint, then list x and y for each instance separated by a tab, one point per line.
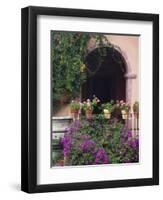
90	99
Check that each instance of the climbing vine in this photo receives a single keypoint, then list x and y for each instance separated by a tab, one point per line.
69	70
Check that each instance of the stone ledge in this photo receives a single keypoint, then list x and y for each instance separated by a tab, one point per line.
130	76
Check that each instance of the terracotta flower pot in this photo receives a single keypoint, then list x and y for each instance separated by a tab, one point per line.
61	162
124	114
88	113
107	113
75	114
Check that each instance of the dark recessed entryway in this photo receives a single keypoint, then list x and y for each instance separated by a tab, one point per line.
105	69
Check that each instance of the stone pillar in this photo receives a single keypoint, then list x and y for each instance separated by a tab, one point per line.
129	77
129	89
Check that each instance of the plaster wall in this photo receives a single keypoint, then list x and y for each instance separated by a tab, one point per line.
129	47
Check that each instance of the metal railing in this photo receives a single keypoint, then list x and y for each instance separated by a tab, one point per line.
132	122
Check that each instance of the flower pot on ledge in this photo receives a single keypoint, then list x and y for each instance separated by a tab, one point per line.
107	113
75	114
88	113
124	114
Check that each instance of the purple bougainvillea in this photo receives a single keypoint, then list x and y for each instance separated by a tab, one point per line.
129	134
96	141
101	156
87	145
66	141
133	142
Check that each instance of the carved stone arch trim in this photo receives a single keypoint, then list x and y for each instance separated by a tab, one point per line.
129	75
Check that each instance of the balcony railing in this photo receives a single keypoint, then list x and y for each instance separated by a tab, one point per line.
132	122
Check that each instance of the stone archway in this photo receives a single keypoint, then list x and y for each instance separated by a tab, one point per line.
129	75
112	77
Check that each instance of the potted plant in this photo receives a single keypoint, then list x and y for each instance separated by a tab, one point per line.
136	109
89	105
107	109
75	108
125	108
116	113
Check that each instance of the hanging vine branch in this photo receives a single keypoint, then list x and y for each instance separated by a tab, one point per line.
69	50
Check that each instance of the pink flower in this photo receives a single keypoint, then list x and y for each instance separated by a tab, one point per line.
121	101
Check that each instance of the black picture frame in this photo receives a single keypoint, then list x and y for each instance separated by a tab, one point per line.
29	99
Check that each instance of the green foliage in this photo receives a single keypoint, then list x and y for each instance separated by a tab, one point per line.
69	50
124	106
57	155
75	105
99	133
90	104
77	156
108	106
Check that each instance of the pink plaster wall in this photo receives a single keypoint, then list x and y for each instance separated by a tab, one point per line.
129	45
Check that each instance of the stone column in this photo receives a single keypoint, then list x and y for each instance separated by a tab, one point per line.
129	77
129	89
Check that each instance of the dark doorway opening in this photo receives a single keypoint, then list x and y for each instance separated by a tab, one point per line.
105	69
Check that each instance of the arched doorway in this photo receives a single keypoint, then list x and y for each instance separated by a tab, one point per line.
106	69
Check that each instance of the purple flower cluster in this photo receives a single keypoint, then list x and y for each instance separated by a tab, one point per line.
69	130
73	127
76	124
133	143
129	134
87	145
83	143
101	156
66	141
